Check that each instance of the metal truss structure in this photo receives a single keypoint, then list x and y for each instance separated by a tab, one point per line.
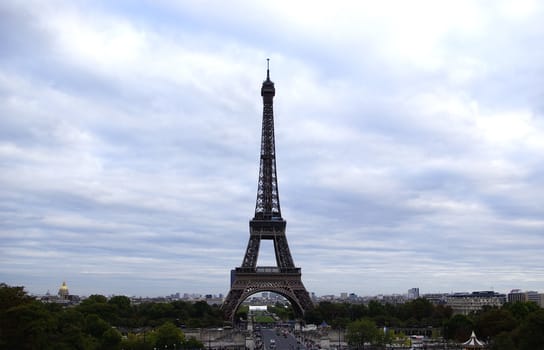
284	278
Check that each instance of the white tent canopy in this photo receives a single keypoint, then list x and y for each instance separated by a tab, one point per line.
473	342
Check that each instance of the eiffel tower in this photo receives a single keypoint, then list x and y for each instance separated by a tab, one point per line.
284	278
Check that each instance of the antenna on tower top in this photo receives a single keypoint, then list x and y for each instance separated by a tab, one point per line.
268	69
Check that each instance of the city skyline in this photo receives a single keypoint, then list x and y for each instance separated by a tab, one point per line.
339	295
409	143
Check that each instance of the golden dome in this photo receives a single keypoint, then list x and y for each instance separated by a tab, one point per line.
63	290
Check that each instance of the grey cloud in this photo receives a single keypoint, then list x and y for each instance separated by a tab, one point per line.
133	165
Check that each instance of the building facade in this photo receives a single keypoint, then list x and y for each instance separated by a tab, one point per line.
465	303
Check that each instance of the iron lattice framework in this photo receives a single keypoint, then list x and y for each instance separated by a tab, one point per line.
284	278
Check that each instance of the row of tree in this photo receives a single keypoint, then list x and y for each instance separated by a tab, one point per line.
98	323
517	325
416	313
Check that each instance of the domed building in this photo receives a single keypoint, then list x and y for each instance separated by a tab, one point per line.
63	291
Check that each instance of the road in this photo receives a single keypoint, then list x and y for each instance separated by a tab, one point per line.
283	340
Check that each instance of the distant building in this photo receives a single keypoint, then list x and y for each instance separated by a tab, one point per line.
393	299
413	293
516	295
63	291
436	298
535	297
465	303
63	296
214	300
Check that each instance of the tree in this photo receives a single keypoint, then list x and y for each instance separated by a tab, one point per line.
110	339
458	327
96	326
283	311
313	316
182	309
168	334
156	314
136	342
192	343
386	337
328	311
200	308
531	332
122	304
362	331
375	308
520	310
71	330
95	298
420	308
442	312
340	323
98	305
242	312
502	341
12	296
357	311
30	327
495	321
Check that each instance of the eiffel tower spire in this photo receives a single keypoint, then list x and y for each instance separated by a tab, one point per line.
267	222
268	201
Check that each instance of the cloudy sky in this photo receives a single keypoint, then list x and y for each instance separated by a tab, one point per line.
409	139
